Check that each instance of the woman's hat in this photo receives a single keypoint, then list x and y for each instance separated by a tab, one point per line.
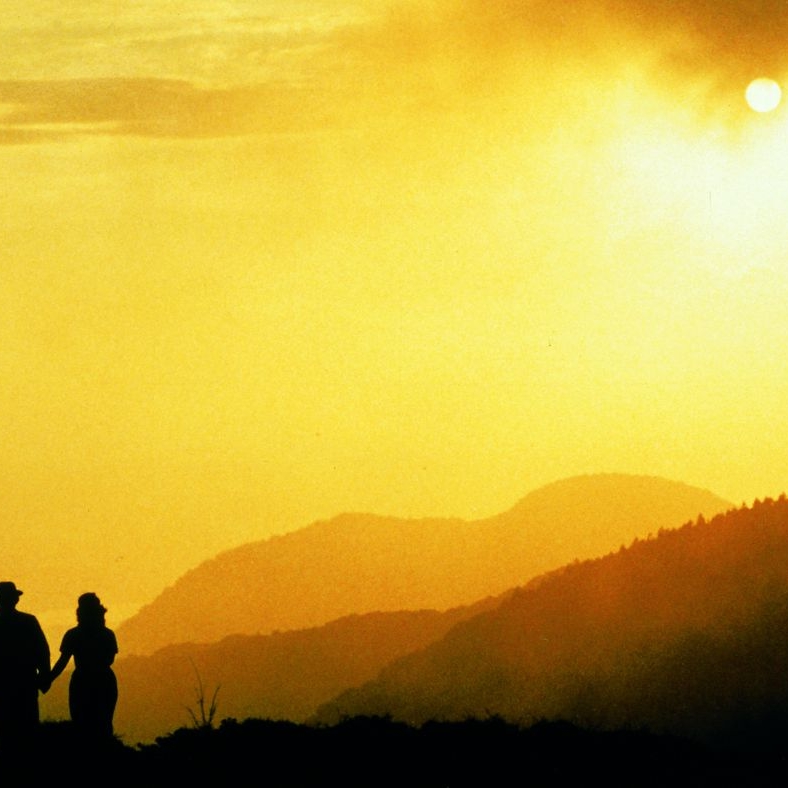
90	601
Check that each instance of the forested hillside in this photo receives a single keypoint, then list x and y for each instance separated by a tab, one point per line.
685	632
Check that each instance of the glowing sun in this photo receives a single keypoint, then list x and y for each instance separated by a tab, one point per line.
763	95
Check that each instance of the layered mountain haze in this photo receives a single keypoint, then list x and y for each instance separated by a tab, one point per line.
360	563
289	675
684	633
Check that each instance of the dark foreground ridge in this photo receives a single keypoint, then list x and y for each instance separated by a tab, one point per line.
379	753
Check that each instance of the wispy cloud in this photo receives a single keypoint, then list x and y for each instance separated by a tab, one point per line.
188	70
62	109
195	40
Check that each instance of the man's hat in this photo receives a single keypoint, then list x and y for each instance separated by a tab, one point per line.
8	590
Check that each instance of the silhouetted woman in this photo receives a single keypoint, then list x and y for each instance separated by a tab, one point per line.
93	688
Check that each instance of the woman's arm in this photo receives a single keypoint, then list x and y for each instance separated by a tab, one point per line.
60	665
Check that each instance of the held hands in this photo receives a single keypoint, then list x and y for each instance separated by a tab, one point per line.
44	682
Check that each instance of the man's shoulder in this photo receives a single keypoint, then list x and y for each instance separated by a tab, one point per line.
28	618
19	620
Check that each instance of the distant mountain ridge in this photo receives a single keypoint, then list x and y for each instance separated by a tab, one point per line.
360	563
684	633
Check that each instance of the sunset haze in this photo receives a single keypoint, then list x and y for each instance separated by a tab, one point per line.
265	263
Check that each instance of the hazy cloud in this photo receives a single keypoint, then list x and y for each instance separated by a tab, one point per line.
421	56
712	35
685	42
43	110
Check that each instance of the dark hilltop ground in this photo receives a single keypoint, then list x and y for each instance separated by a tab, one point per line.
380	753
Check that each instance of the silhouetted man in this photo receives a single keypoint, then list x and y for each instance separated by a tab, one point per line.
24	666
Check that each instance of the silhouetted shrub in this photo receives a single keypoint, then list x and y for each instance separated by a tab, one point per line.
376	751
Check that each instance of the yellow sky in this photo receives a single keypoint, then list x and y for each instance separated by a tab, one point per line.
263	263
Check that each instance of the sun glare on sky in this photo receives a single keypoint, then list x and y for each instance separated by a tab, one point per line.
266	261
763	94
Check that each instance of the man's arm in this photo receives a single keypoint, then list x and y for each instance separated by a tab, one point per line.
44	661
